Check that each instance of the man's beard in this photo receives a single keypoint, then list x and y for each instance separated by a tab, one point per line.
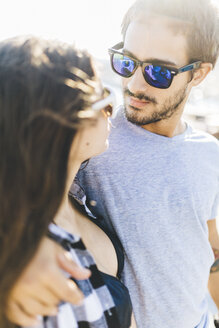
167	110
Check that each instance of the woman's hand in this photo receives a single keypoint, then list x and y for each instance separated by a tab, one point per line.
43	285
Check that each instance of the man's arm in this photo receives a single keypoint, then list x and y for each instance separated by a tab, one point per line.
214	274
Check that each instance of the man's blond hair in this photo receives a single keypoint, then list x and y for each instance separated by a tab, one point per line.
198	20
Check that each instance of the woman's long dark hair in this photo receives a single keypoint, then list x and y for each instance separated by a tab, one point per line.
44	86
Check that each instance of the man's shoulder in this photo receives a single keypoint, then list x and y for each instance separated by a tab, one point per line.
204	143
203	136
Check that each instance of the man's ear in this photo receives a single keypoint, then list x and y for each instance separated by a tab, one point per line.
200	74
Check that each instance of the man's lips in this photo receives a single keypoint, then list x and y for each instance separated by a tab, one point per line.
137	103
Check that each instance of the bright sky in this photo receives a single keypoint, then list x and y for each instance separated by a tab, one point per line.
91	24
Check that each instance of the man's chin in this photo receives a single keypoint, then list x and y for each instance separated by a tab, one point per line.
134	115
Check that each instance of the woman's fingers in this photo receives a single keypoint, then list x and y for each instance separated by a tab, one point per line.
65	262
43	285
63	288
45	297
16	315
35	308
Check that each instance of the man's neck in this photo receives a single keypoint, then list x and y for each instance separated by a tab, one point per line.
168	128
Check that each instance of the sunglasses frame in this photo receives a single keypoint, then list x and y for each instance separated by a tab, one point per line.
107	103
174	71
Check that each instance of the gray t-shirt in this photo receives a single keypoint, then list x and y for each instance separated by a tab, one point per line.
158	193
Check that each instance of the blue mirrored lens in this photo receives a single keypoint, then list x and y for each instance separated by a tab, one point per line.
123	65
158	76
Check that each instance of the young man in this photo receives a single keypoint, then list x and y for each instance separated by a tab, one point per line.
157	186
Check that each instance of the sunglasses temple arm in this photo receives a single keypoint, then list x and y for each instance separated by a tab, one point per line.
197	64
109	100
190	67
118	46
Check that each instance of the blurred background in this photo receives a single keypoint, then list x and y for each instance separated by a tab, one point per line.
95	25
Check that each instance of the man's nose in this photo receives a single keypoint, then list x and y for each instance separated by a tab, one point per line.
137	83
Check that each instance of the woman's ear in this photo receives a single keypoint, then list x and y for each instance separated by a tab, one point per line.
200	74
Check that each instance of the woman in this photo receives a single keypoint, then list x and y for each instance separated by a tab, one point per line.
53	117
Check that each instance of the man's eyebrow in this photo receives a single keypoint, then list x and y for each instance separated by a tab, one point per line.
152	60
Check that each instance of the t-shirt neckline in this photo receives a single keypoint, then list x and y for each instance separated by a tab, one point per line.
144	132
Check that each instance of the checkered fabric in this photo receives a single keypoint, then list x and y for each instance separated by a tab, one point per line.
98	308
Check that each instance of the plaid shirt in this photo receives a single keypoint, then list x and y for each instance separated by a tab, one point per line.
98	308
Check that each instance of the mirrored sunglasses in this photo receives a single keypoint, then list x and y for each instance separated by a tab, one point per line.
158	76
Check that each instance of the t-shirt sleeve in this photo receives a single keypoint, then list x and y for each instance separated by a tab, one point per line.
215	209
